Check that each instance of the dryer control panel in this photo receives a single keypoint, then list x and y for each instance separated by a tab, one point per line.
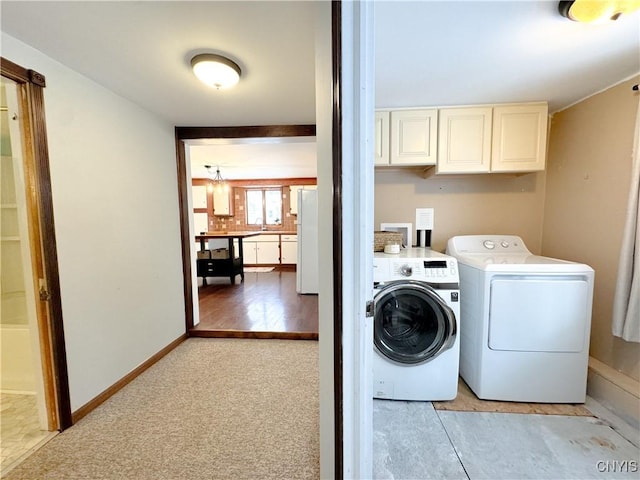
470	244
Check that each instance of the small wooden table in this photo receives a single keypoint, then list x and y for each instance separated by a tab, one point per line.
223	267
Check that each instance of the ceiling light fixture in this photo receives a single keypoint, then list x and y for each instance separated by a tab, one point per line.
596	11
215	70
216	183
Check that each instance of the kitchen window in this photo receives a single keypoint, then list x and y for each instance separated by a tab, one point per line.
264	206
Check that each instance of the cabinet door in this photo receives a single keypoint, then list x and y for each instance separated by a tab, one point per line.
381	139
268	252
223	201
249	250
414	137
519	138
293	198
464	140
199	196
289	251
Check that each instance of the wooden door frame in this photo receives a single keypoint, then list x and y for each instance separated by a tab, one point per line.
42	229
184	134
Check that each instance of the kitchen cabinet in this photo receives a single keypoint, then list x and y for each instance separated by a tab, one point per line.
406	137
223	201
293	199
262	250
381	139
519	138
199	196
288	249
413	137
464	140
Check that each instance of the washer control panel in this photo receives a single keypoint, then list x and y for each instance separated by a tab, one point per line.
418	263
445	270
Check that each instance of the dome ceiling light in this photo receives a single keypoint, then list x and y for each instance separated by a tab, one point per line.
215	70
596	11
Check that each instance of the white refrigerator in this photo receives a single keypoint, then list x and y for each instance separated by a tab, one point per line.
307	267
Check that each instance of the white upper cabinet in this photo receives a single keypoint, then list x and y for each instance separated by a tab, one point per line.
199	196
482	139
381	145
519	138
464	140
293	198
414	137
223	201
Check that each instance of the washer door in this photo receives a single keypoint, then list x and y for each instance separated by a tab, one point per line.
412	324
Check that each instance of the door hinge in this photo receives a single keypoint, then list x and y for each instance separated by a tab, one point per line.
44	293
370	308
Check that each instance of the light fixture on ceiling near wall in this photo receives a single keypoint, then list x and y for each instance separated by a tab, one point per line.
215	70
596	11
216	183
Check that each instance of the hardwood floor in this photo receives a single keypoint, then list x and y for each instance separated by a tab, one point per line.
265	305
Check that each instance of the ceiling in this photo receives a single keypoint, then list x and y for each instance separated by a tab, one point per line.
427	53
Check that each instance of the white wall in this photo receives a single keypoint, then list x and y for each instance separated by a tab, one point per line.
115	203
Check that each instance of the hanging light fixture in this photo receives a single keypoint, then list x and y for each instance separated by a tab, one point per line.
216	183
215	70
596	11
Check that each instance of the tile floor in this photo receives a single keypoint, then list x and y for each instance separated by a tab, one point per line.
414	441
19	428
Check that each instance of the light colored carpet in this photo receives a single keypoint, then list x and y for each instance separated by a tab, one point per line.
211	409
258	269
467	401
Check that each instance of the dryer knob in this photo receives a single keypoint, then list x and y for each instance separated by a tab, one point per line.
406	270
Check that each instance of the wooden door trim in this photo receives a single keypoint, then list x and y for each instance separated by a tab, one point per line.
42	225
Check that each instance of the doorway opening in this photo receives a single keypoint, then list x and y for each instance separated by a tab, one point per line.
263	169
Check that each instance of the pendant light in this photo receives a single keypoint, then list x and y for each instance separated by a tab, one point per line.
216	183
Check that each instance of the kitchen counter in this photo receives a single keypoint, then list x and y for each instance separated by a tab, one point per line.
244	234
224	267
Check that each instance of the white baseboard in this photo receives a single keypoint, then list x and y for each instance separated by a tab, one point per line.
615	391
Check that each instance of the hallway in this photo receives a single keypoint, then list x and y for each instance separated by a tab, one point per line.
210	409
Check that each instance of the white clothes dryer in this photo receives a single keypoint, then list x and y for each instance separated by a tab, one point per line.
525	321
416	341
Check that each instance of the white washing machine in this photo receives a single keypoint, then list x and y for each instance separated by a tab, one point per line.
525	321
416	341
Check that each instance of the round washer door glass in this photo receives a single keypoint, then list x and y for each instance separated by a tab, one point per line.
412	324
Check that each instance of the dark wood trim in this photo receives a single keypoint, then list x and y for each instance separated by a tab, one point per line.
186	241
120	384
336	60
262	182
50	250
14	71
251	334
34	83
258	131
